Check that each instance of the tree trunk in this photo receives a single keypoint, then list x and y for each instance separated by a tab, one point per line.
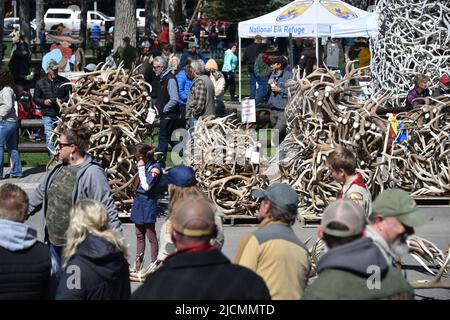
125	24
2	16
148	16
170	5
153	16
39	19
24	15
83	23
156	16
184	9
175	8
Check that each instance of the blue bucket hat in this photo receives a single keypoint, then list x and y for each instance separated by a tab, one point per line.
181	176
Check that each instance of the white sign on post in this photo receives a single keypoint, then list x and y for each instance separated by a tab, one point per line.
248	114
151	115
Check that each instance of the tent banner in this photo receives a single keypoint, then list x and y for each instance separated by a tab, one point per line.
277	30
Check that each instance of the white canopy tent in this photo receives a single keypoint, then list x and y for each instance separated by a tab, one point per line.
302	18
366	26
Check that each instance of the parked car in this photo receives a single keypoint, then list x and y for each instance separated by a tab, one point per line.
10	23
71	19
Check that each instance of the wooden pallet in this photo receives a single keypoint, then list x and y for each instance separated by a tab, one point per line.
310	219
240	220
423	201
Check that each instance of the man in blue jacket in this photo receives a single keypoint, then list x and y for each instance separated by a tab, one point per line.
184	84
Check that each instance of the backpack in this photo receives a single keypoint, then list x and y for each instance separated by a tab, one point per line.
212	36
179	42
27	107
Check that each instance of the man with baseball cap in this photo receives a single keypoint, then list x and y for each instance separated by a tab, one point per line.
198	270
273	251
49	93
353	267
279	96
393	219
193	52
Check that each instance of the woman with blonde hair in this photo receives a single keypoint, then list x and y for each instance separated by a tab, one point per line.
94	259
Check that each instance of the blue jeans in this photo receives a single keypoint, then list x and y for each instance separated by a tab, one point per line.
252	77
213	52
192	122
49	125
8	138
262	89
219	52
166	127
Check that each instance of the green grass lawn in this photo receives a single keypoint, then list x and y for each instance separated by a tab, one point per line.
34	159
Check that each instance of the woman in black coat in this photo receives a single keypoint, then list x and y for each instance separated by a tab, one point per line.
95	267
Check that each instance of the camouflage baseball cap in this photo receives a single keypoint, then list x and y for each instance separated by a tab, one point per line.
398	204
347	213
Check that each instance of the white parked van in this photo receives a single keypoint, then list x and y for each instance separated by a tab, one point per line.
71	19
140	17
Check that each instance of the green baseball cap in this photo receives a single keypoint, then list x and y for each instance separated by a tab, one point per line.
399	204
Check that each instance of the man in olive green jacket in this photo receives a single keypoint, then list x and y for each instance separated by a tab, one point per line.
354	267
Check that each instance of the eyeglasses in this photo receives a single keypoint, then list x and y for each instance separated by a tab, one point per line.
62	145
155	67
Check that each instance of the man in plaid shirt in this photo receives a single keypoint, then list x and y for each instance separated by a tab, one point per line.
200	100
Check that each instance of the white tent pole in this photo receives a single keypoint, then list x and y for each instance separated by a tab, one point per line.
240	70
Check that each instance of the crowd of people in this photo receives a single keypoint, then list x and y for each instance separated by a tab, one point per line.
83	234
83	237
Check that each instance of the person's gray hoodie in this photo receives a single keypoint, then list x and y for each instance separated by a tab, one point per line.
91	183
16	236
355	257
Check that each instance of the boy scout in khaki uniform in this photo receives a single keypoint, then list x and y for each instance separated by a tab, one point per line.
342	163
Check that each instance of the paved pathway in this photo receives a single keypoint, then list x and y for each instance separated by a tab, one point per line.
436	230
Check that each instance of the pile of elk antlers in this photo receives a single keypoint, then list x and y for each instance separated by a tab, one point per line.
221	154
426	252
113	104
414	37
421	165
325	112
